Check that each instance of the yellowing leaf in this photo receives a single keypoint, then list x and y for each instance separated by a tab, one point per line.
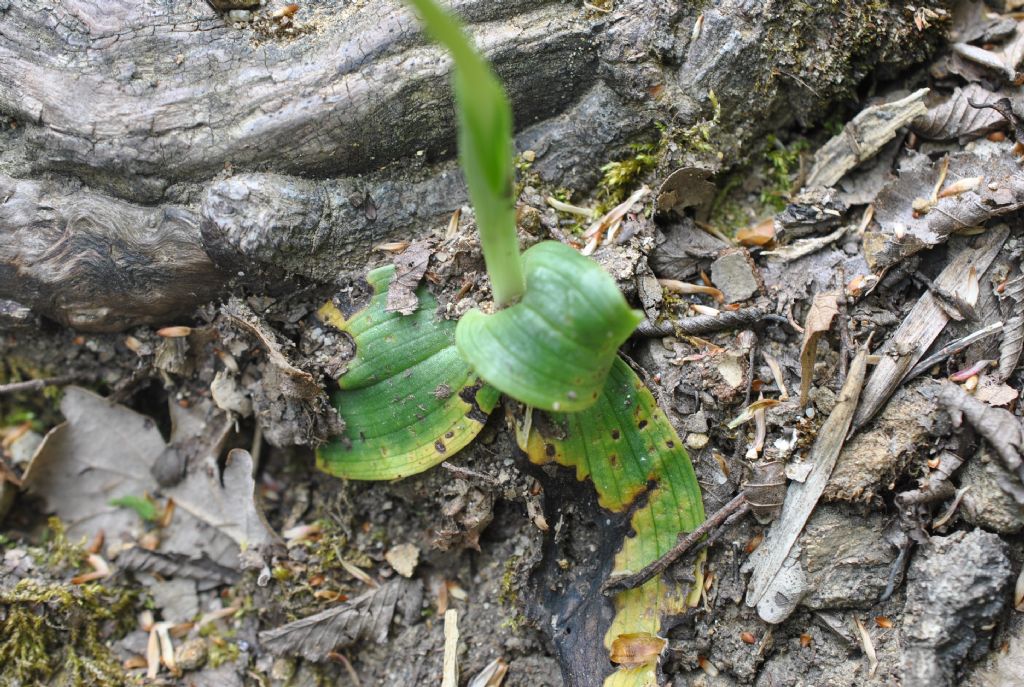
640	676
622	443
408	400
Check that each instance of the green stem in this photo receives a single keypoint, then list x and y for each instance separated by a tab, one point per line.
485	151
500	244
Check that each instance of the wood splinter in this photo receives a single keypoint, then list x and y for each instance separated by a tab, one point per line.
734	509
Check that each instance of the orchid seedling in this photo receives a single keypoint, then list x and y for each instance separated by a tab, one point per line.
419	388
561	318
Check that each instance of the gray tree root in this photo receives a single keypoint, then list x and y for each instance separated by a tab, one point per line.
158	150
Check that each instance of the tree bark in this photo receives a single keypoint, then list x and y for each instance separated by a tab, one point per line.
158	149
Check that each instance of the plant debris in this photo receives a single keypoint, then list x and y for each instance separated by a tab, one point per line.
103	452
367	617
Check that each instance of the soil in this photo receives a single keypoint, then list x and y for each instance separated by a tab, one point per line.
892	590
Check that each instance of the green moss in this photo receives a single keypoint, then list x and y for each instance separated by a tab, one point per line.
222	650
727	212
783	161
59	552
621	177
698	138
53	629
770	174
507	594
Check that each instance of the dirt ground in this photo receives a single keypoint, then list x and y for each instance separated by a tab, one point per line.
841	312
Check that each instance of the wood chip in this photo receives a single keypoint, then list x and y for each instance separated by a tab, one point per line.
922	325
864	136
801	498
867	645
823	310
451	649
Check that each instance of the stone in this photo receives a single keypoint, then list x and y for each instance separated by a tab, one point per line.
734	274
985	504
192	654
846	558
957	588
403	558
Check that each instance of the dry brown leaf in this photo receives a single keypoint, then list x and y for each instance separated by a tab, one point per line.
684	188
367	617
999	427
637	649
956	119
1003	61
105	451
995	394
410	267
904	231
760	234
823	310
1013	331
100	453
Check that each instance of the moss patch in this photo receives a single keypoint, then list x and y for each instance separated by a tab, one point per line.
54	629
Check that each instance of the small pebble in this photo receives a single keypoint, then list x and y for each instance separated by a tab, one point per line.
243	16
192	654
695	440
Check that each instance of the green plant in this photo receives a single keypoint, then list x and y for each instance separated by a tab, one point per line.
782	161
48	629
420	388
562	318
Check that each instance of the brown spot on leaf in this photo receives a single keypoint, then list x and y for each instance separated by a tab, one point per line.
440	447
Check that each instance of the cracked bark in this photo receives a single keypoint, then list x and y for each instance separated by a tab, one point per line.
157	150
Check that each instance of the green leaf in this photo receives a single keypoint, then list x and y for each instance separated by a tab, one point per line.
145	508
623	443
408	400
554	348
485	149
